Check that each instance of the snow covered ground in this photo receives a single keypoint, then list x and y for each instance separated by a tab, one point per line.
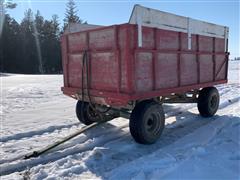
34	113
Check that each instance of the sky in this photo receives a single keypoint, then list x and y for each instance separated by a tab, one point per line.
107	12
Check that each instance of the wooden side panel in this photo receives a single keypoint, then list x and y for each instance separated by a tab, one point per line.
188	68
143	70
167	40
220	67
102	59
175	62
64	49
102	39
163	65
206	68
77	42
104	71
75	70
148	38
125	38
205	44
219	45
166	71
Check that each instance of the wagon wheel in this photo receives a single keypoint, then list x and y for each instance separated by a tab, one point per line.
208	101
85	113
147	122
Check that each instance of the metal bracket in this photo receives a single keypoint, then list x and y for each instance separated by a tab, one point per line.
225	38
189	34
139	26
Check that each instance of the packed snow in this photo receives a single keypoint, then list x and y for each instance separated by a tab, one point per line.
34	113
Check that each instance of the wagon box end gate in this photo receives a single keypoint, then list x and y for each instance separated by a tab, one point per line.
131	69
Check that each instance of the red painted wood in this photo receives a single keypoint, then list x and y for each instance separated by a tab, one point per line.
167	71
189	69
168	91
118	59
64	60
143	71
154	58
123	99
121	71
197	59
214	58
179	59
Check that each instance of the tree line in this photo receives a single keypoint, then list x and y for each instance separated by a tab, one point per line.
33	45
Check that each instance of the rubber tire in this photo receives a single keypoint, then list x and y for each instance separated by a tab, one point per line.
83	116
205	107
138	118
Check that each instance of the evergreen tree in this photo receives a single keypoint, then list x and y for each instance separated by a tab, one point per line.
51	46
38	30
3	6
29	46
71	14
57	59
10	41
9	38
33	46
56	26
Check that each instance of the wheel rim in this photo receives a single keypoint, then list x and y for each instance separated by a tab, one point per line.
213	101
91	114
153	123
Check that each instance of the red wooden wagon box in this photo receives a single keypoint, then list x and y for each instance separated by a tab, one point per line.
156	58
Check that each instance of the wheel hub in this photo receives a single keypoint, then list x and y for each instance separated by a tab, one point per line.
213	102
153	123
92	114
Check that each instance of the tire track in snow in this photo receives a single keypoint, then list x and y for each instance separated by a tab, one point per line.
70	151
4	170
170	135
133	151
22	165
168	156
98	131
229	102
49	129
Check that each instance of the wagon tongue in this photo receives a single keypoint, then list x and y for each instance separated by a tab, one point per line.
48	148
